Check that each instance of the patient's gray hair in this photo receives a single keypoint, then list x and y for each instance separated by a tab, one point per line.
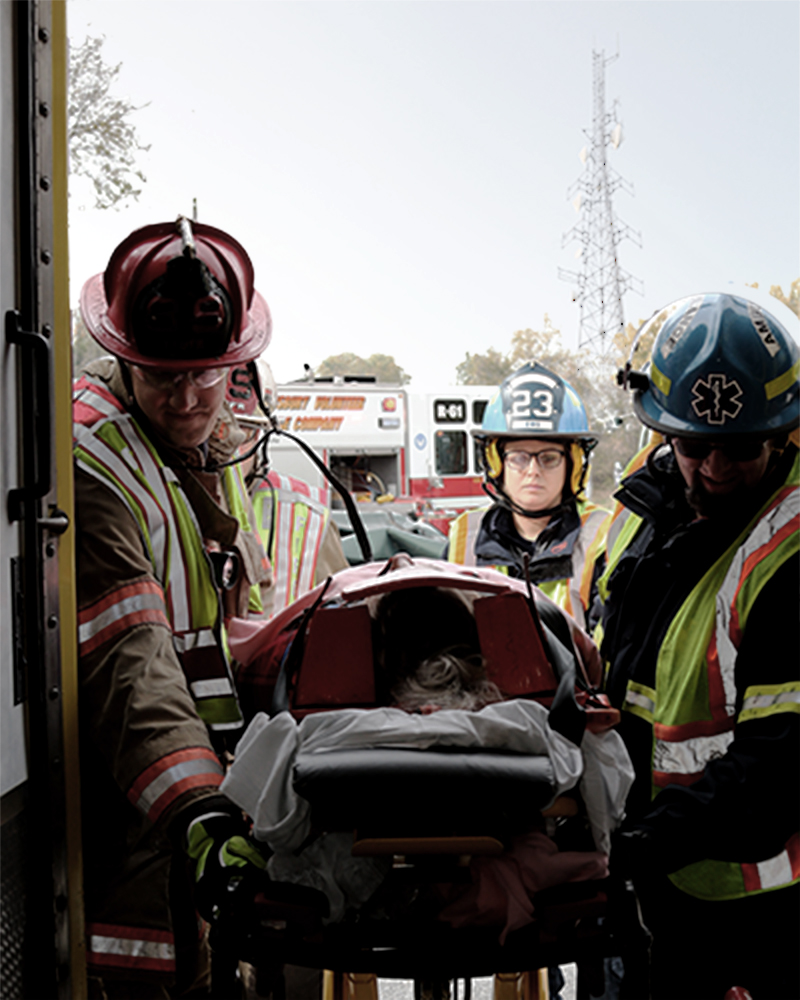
447	681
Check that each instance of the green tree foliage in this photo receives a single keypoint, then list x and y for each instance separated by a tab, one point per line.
102	140
382	367
483	369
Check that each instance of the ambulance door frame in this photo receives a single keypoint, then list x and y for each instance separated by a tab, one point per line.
38	324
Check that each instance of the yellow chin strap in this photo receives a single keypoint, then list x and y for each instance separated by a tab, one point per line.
576	454
494	462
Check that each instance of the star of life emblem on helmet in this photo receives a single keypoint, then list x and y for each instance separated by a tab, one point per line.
717	399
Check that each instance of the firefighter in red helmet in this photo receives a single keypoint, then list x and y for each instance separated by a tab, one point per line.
167	556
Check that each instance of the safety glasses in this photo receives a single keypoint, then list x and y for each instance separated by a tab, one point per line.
162	379
547	460
738	449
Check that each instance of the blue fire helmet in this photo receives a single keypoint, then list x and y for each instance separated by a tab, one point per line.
721	365
534	402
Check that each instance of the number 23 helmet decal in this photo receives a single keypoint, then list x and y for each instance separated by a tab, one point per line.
534	403
720	365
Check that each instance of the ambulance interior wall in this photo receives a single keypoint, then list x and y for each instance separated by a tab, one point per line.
289	460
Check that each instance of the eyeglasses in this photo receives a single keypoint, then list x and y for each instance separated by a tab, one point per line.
162	379
738	449
547	460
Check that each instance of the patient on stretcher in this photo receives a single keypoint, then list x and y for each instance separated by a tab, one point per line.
443	741
428	651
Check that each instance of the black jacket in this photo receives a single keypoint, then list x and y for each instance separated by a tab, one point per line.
550	555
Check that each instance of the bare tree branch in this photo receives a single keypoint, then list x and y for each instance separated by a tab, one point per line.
103	142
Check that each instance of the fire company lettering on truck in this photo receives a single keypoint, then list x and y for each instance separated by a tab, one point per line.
385	441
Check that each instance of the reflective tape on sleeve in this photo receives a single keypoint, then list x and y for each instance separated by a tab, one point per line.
686	759
775	872
159	785
640	700
115	946
133	604
770	699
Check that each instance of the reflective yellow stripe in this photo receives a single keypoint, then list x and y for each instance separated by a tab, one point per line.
593	550
660	380
782	382
770	699
458	540
640	700
463	534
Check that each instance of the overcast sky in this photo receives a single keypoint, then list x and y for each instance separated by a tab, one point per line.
398	171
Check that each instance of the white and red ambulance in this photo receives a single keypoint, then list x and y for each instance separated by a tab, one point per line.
384	441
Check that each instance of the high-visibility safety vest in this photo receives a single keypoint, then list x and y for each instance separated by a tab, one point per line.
111	446
692	708
573	594
291	517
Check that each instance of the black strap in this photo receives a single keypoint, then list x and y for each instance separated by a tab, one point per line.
352	510
293	657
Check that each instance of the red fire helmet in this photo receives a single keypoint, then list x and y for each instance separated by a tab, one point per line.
178	295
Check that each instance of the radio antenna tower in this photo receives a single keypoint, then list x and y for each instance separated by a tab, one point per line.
601	282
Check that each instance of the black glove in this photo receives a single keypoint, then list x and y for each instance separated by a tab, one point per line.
229	867
632	851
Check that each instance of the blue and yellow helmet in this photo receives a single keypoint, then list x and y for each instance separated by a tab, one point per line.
720	365
534	402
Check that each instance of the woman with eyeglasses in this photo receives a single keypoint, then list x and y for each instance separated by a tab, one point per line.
535	444
700	620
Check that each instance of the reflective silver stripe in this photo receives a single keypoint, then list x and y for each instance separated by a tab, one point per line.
201	639
139	602
121	477
766	700
90	397
641	700
775	871
185	769
281	554
286	495
162	951
591	524
315	525
689	756
297	517
220	726
761	535
176	584
211	689
294	488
